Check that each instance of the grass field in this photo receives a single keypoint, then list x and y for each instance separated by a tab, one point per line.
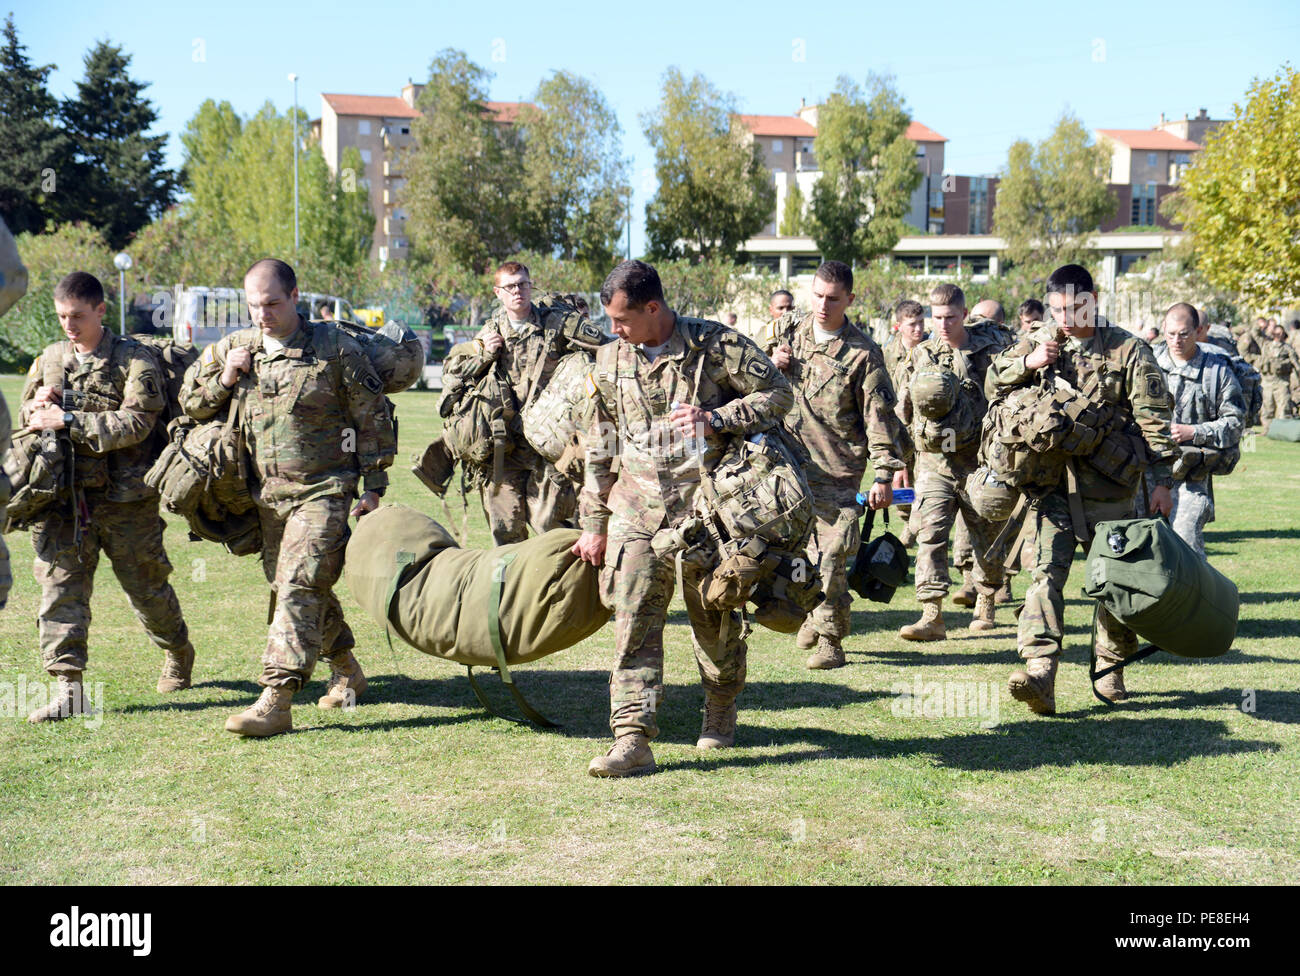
1193	781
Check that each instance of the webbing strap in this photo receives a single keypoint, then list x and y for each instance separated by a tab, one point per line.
1094	674
494	629
1077	519
1006	527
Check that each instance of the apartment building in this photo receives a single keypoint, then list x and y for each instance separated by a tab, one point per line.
1146	165
380	127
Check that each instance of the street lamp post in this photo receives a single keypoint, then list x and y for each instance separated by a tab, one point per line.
294	79
123	264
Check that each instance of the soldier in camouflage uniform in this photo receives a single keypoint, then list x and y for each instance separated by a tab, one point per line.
1128	379
1280	368
844	416
13	285
909	332
316	424
1209	411
528	343
116	395
965	353
666	378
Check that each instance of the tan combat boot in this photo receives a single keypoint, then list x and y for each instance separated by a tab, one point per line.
719	728
269	715
829	654
1035	685
347	682
176	669
1004	594
965	597
1111	686
983	618
630	756
806	640
69	699
930	627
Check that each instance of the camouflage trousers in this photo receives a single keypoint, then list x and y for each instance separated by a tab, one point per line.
939	500
130	534
1042	621
302	557
1193	508
532	495
1277	399
638	586
1021	549
834	541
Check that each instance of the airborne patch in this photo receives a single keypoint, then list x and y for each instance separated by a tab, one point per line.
371	383
1156	386
759	368
150	385
590	331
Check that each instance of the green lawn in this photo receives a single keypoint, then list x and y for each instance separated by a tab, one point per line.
827	783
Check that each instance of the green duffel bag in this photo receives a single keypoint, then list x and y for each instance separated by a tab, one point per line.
1285	429
1155	583
477	607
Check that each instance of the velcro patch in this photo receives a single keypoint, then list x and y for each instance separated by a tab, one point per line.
1156	386
371	383
210	355
759	368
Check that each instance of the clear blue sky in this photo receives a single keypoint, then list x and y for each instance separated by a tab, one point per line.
982	74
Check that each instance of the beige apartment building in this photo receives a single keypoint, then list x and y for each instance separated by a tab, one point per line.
1146	165
379	126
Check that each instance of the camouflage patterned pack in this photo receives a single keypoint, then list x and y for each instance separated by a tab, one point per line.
34	471
1198	463
557	419
945	411
758	490
393	350
477	415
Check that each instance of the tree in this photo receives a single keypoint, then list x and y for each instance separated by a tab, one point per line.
240	178
573	197
1239	199
714	191
31	148
117	179
462	173
792	213
868	171
1053	196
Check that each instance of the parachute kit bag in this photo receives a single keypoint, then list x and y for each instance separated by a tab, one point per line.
1284	429
1155	583
478	607
880	566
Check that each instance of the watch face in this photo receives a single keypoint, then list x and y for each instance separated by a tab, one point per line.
716	422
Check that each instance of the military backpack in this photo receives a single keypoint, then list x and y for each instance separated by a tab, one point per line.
557	419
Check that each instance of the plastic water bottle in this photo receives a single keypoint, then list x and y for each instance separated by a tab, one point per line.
902	496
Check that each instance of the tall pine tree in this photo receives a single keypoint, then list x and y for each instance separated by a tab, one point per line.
31	148
118	180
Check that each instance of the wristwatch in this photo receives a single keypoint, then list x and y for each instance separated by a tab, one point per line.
884	481
716	422
68	420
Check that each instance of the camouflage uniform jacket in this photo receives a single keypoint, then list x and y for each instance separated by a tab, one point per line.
1206	395
1248	346
657	477
550	334
984	341
1128	378
315	417
1221	337
900	361
1278	359
115	398
843	406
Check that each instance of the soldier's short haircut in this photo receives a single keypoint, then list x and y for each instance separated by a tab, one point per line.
511	267
283	274
999	313
1069	278
908	309
779	292
947	294
1031	307
635	279
1183	312
836	273
79	287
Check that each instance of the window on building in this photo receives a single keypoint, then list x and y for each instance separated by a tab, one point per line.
914	263
979	206
1125	262
1182	159
406	130
976	264
778	145
943	264
363	127
766	264
1153	159
365	156
1143	209
802	264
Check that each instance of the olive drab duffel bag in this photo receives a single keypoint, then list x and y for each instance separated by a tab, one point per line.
1155	583
1284	429
488	608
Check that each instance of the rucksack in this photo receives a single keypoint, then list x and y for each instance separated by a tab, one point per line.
1252	388
393	350
34	469
173	360
557	419
477	414
945	411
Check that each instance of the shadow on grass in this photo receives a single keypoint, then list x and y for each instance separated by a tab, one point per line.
1021	745
1260	597
1267	705
1215	536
